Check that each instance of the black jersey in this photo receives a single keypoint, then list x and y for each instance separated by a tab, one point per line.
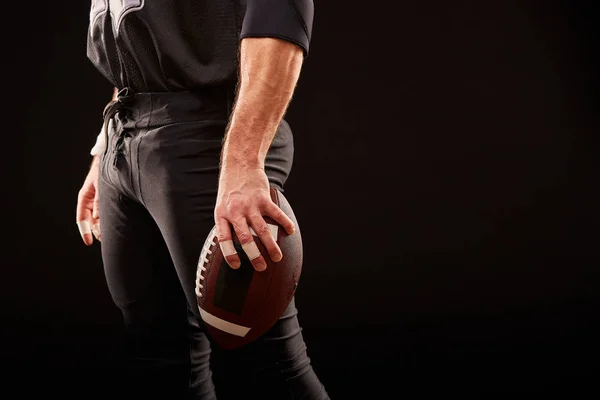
171	45
164	45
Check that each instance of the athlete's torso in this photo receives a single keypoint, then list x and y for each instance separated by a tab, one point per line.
165	45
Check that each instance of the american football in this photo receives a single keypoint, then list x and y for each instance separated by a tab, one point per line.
240	305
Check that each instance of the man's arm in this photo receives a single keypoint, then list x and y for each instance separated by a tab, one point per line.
275	38
87	218
269	71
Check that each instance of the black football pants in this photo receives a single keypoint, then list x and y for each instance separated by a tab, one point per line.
157	190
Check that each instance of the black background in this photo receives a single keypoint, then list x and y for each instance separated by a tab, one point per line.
444	181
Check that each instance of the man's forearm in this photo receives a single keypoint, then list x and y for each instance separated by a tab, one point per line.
269	71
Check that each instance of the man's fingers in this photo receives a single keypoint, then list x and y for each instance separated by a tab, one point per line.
83	218
273	211
242	231
253	253
95	213
96	229
226	243
262	230
85	230
249	222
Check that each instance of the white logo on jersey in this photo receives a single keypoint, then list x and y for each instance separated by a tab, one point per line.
118	10
98	8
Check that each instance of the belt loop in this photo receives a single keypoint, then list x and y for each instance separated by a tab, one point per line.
109	111
124	92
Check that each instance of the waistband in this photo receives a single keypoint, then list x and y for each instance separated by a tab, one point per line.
153	109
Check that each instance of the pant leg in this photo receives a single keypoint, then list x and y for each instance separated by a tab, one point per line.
144	285
274	367
179	167
178	179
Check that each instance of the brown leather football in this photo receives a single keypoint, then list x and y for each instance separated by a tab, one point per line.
240	305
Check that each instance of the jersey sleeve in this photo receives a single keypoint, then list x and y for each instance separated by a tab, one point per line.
289	20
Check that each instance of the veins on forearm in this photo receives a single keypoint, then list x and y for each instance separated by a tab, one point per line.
269	70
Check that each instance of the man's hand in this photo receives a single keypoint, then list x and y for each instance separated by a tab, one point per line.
242	202
269	69
88	219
